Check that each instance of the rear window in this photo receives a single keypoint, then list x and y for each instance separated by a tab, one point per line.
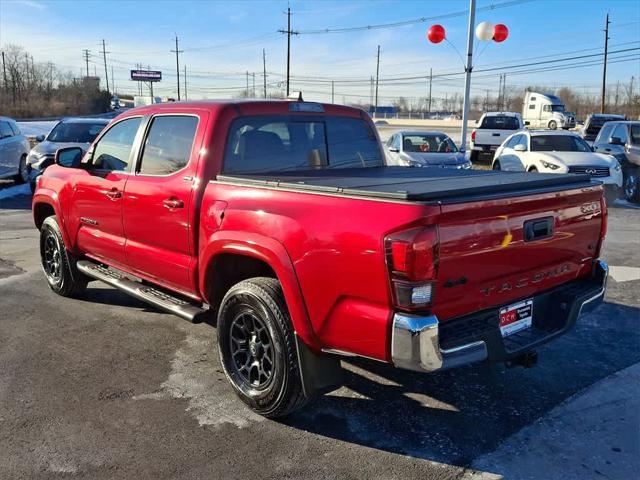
289	143
500	122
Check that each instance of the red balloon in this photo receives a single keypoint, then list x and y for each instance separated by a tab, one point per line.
500	32
436	34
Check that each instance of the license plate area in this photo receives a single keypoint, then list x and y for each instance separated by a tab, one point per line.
516	317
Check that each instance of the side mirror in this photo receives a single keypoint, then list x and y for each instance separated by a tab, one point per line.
520	148
40	138
393	149
615	141
69	157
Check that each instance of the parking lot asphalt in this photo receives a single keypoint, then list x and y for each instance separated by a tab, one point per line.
107	387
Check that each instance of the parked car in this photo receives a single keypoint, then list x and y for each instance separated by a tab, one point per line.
14	148
424	149
558	152
280	222
622	140
68	132
543	110
491	130
594	123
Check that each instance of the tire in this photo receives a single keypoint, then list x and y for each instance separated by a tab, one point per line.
553	125
58	264
496	165
533	170
23	173
256	343
631	184
611	196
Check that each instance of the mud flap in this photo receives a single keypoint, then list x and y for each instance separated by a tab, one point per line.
319	373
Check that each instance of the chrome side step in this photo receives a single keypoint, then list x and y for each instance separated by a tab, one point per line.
158	298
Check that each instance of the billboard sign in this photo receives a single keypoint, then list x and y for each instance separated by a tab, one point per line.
146	75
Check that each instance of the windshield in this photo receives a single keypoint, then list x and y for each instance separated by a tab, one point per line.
557	108
75	132
290	143
428	144
558	143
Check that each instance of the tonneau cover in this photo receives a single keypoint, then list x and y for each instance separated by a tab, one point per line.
419	184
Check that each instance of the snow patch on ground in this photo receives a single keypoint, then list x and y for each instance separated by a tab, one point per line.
15	191
36	128
196	375
624	274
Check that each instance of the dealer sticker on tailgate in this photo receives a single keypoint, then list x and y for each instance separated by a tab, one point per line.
516	317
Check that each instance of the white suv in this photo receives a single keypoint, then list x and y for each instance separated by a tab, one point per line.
14	148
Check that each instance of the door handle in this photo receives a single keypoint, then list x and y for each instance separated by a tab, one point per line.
173	203
113	194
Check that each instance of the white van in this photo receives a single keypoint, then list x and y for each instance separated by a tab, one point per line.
542	110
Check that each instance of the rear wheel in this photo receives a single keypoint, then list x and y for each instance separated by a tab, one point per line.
553	125
257	348
58	264
473	156
631	186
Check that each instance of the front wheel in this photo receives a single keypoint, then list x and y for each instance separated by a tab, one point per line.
496	165
553	125
23	171
533	170
257	348
58	264
631	186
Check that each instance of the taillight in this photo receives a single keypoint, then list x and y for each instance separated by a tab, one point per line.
473	136
603	225
412	257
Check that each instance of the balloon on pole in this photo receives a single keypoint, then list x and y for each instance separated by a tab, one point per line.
436	33
500	32
484	31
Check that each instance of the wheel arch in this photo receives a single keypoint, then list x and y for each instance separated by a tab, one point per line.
249	255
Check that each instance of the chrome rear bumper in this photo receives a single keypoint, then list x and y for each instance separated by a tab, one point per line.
415	343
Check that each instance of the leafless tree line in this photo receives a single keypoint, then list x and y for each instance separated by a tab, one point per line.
31	89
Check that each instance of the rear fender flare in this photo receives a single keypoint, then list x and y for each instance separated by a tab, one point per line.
274	254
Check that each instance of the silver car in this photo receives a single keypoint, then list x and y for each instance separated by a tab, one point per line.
424	149
69	132
14	148
622	140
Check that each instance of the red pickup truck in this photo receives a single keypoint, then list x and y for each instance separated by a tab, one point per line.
280	221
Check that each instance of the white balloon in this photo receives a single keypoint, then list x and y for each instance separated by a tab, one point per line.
484	31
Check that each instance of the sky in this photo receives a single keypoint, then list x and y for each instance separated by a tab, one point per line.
222	40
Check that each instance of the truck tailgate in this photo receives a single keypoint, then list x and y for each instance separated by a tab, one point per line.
495	252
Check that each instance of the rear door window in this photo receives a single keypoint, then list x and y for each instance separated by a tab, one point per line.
500	122
168	145
295	143
635	134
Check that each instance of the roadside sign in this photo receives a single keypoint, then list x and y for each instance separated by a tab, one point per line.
146	75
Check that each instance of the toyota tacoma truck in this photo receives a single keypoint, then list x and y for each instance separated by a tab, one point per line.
279	222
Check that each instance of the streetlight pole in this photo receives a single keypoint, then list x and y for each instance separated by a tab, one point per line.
467	77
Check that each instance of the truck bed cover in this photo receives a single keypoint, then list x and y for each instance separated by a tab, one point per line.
413	184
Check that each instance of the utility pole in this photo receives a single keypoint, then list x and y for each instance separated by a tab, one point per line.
504	92
247	90
86	54
151	87
499	101
264	72
253	77
177	52
4	73
185	83
104	56
289	32
375	109
430	83
604	69
332	92
467	77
